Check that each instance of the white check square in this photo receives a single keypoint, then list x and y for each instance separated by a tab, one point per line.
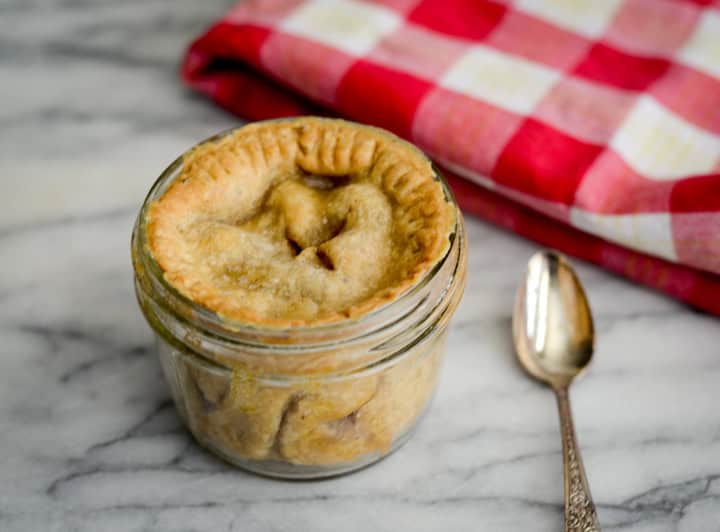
586	17
651	233
661	145
348	25
509	82
702	49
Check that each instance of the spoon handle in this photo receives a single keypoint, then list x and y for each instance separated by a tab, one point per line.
580	514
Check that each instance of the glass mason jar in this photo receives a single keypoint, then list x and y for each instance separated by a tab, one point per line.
309	401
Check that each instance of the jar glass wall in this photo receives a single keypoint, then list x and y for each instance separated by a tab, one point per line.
309	401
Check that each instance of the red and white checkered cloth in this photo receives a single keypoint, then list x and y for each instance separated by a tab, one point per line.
592	126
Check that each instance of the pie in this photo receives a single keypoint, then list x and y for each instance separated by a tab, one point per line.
292	224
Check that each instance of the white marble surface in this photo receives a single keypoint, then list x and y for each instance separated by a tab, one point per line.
89	441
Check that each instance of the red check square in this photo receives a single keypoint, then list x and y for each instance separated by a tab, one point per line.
649	27
245	40
419	51
613	67
401	94
401	6
691	94
313	68
263	13
533	39
466	131
469	20
586	110
544	162
701	2
610	186
700	193
697	239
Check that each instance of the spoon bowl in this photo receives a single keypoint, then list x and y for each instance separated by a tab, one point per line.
552	324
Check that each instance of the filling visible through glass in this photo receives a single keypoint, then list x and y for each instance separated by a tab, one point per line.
309	424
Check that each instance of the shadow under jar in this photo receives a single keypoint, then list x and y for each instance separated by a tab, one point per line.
305	401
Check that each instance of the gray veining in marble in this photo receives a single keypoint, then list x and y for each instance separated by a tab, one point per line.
89	440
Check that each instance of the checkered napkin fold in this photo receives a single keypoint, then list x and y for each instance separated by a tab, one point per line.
589	126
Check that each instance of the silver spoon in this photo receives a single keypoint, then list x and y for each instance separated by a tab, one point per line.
554	337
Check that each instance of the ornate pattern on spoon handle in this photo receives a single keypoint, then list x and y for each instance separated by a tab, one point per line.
580	514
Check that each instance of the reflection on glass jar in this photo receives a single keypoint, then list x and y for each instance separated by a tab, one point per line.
308	401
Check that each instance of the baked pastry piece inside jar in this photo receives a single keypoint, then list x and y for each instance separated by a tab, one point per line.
294	224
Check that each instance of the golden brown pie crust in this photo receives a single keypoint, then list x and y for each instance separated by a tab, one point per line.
298	222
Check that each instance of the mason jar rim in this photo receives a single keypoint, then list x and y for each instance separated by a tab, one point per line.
239	331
